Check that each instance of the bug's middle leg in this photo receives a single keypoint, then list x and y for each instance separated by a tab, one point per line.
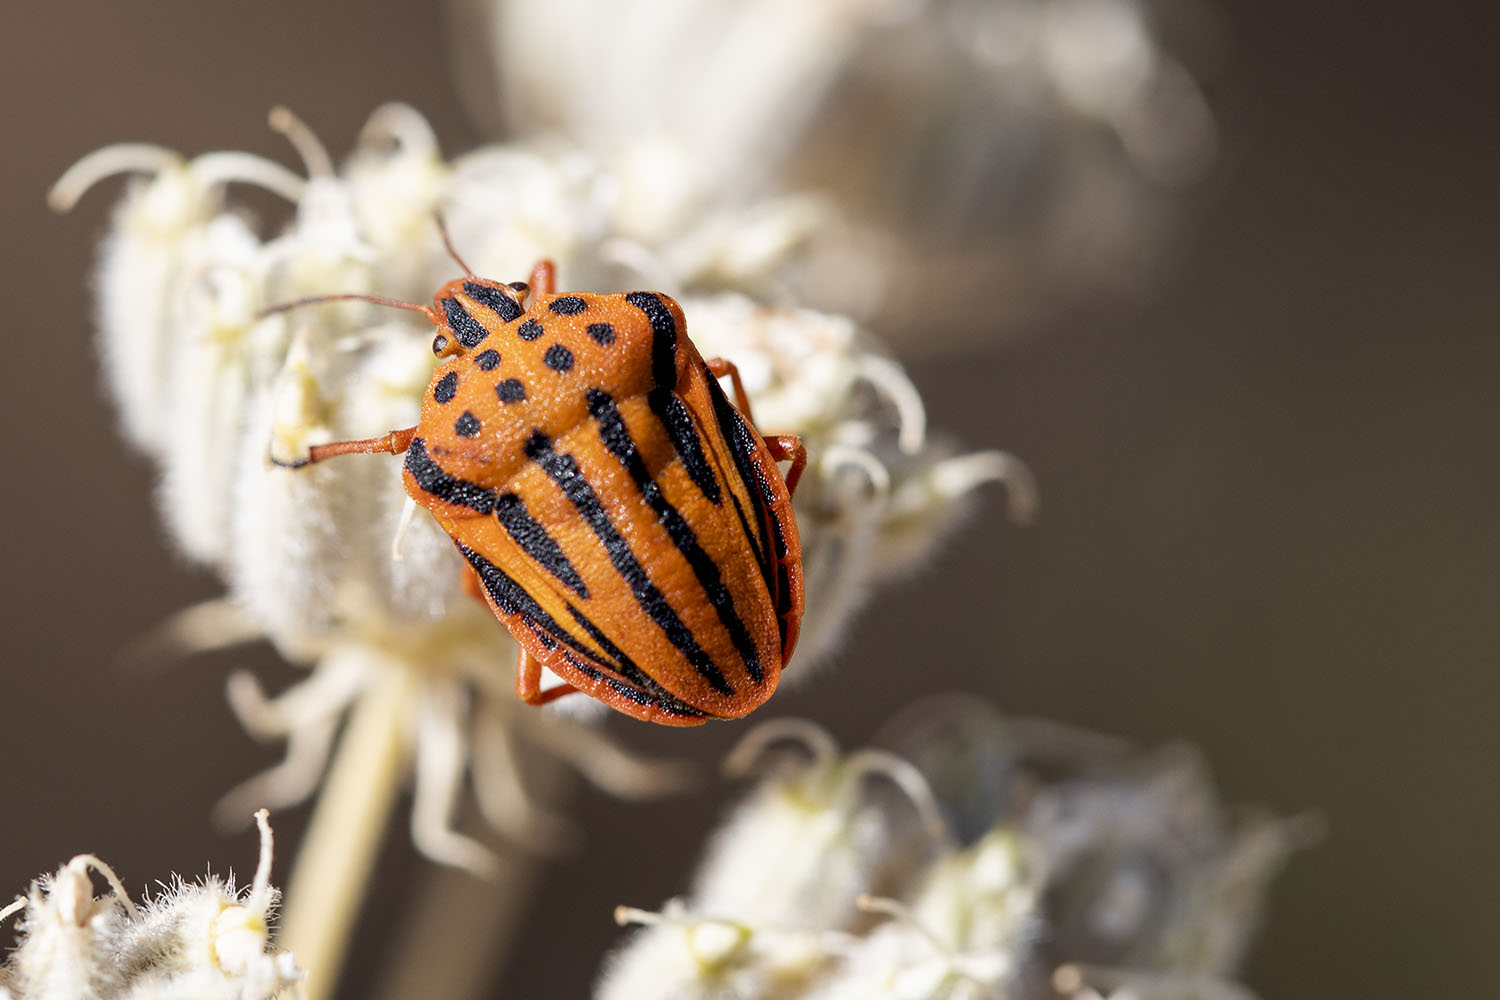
529	682
789	446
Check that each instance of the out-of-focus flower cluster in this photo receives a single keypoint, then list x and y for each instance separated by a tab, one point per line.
1064	863
981	161
206	941
327	562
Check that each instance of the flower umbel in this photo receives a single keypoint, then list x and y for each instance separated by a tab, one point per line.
330	564
205	941
1095	868
976	162
326	562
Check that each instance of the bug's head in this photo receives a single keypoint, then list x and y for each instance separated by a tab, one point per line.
473	308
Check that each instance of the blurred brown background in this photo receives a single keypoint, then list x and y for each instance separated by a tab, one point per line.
1269	490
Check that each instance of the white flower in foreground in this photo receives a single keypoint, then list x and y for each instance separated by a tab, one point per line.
1097	870
205	941
328	562
982	160
780	885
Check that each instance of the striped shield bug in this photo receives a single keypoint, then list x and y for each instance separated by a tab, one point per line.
622	518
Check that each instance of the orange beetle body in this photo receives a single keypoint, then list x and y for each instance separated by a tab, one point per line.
626	523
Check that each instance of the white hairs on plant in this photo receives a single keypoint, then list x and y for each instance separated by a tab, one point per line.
206	941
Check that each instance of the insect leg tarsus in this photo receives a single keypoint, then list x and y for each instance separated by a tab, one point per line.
722	367
394	443
529	682
543	278
789	446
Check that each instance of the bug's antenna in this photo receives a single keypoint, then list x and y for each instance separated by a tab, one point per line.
448	243
282	307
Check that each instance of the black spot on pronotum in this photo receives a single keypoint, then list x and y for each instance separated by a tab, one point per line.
558	358
530	330
511	391
568	305
445	388
467	425
487	360
466	328
603	333
491	297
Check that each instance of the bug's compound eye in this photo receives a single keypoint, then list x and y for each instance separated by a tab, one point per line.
443	346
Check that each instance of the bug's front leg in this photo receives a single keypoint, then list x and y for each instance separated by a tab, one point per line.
789	446
529	682
394	443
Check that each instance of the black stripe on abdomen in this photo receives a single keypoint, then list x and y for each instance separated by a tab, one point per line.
671	410
742	447
565	472
537	543
512	599
449	489
617	439
674	416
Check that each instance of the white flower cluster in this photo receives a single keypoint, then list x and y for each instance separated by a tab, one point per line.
1075	866
983	159
327	561
205	941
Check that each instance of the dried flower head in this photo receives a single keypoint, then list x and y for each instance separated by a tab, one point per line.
205	941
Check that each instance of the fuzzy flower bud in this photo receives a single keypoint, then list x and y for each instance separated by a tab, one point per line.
205	941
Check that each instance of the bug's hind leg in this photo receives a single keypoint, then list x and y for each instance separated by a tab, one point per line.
394	443
472	585
720	368
789	446
529	682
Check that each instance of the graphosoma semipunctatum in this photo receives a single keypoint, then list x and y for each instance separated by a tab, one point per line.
626	522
